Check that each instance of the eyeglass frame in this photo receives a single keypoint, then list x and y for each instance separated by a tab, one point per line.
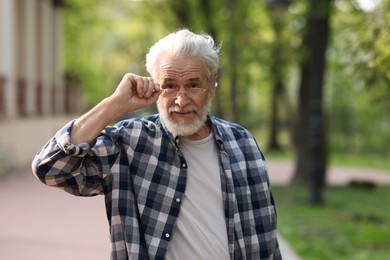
175	91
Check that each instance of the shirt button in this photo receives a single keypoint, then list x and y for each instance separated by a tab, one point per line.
167	235
178	200
184	165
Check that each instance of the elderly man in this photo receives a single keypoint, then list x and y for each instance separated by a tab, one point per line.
178	185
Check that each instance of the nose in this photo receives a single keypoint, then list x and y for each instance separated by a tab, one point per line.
181	99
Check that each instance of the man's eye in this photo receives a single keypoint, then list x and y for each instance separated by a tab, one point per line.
194	85
169	86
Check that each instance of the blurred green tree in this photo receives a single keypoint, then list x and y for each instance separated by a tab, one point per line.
359	79
105	39
311	135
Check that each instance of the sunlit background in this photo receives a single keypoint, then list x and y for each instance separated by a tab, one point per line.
310	79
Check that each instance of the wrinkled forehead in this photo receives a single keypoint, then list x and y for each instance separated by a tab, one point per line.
180	68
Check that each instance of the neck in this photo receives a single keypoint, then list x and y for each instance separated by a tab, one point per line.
202	133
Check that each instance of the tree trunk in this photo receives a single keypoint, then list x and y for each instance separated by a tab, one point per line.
278	63
277	92
209	13
180	9
233	60
310	132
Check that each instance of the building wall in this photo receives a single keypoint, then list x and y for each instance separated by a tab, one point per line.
21	139
32	83
30	65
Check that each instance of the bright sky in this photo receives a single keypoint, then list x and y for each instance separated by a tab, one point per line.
368	5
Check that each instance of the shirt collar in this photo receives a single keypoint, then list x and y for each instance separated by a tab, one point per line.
214	128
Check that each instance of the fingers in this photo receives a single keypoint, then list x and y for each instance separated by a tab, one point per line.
135	92
145	86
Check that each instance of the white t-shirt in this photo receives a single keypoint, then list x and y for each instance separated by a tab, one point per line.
200	231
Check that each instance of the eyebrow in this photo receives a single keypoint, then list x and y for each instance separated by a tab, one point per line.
194	79
174	79
169	79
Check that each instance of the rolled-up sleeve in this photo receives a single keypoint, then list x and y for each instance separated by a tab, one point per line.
62	138
72	168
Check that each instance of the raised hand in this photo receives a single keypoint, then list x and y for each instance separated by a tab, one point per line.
135	92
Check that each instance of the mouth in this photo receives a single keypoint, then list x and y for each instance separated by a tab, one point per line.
182	111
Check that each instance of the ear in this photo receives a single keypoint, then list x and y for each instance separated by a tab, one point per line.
213	84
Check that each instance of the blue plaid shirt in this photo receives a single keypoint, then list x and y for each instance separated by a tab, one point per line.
137	164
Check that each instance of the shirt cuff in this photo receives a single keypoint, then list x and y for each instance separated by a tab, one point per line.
63	141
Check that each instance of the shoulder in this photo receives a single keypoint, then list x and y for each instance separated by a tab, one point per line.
235	137
146	121
142	125
226	129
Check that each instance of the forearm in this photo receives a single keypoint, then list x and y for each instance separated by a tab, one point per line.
68	167
134	92
68	161
90	125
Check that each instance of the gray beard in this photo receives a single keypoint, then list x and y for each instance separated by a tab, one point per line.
180	128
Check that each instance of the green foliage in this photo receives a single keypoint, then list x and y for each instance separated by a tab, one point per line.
354	224
105	39
358	80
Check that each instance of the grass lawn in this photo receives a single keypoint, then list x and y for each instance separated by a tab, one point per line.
354	223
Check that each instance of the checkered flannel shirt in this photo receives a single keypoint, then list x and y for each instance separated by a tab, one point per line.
137	164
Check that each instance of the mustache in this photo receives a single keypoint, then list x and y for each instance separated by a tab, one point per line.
189	108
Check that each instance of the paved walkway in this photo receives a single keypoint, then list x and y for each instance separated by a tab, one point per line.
38	222
43	223
281	173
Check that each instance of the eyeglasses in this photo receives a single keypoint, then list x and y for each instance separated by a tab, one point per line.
191	90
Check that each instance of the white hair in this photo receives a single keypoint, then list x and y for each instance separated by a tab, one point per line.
188	44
